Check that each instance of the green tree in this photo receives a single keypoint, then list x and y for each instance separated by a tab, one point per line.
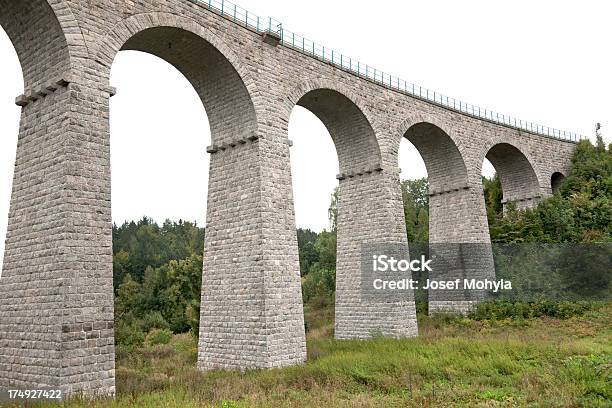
325	246
121	267
415	195
129	299
493	197
182	291
306	246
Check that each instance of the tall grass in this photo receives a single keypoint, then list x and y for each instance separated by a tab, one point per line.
455	362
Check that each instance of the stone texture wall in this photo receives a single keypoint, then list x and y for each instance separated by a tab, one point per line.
39	40
56	303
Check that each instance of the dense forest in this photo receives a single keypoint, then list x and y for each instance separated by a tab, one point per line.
157	269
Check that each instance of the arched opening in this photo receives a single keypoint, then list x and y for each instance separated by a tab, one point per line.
518	180
314	166
159	182
556	180
220	87
352	134
225	312
363	217
353	149
492	190
444	219
415	194
446	175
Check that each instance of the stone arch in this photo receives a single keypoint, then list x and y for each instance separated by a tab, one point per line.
444	161
37	29
366	214
223	84
346	119
516	173
458	233
556	180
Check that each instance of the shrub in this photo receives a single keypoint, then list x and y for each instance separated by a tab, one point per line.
503	309
422	307
154	320
128	334
319	286
158	336
192	313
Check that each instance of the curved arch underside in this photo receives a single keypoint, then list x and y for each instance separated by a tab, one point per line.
38	38
223	93
445	166
350	130
556	180
516	174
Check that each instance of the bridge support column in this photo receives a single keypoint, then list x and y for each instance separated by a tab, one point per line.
56	289
370	214
460	246
251	309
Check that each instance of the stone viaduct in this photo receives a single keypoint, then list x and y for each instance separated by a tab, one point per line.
56	293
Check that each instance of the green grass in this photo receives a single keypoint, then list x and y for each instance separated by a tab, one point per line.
455	362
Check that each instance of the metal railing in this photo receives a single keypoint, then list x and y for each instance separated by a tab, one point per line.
301	44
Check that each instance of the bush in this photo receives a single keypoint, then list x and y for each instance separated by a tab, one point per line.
319	286
154	320
128	334
192	313
158	336
499	310
422	307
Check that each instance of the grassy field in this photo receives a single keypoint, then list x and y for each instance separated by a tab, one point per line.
455	362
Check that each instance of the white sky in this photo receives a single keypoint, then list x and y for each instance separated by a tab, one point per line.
547	61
